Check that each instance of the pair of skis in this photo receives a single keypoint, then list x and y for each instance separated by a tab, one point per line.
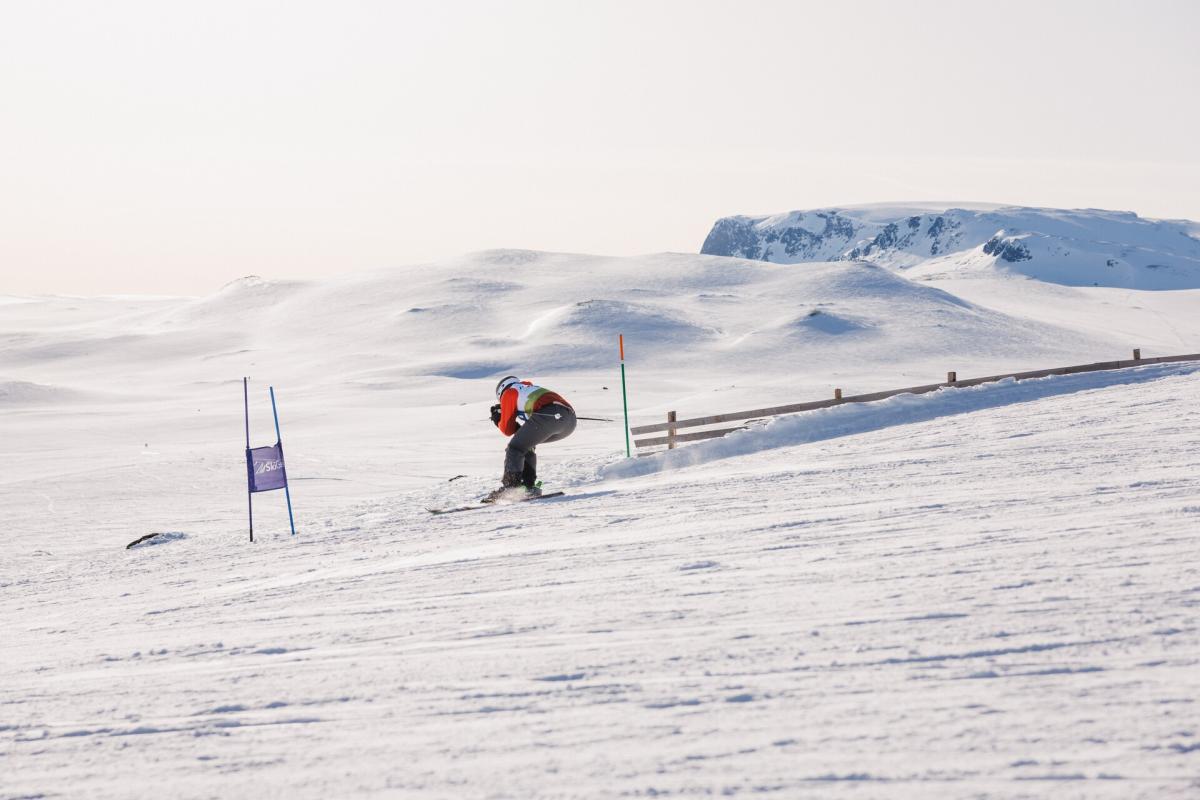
483	504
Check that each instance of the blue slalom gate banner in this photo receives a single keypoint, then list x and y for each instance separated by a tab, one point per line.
265	469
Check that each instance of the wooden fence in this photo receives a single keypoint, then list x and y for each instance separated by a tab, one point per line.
673	423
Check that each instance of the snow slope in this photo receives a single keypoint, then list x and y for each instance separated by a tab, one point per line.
987	592
1079	247
973	606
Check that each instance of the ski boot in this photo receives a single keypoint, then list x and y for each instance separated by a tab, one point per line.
533	487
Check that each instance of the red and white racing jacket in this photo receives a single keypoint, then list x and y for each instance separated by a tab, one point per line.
522	399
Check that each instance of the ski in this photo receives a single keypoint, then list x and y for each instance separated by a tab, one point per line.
490	505
145	538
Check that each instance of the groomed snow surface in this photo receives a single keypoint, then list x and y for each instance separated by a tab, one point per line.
987	592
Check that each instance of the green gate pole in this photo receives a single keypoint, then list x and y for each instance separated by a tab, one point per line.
624	396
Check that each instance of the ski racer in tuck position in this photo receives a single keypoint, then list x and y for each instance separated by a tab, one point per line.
531	415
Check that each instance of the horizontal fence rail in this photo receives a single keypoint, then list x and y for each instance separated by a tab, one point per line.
672	425
670	440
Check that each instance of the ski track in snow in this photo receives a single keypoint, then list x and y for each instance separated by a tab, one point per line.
999	603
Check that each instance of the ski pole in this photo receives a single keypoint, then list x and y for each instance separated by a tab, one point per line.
559	416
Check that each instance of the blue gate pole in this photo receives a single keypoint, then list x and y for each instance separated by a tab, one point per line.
249	493
279	440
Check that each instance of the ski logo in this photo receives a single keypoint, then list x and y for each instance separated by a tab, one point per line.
263	467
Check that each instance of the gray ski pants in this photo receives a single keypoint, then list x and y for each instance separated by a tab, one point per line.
549	424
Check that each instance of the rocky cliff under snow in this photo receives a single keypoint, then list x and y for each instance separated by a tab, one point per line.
1080	247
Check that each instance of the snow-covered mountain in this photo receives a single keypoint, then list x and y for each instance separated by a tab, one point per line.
1081	247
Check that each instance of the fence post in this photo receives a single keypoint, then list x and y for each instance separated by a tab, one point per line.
951	377
837	394
1137	354
671	417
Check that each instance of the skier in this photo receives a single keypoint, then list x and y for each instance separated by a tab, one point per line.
530	415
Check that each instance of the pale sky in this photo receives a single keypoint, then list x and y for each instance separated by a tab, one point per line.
169	147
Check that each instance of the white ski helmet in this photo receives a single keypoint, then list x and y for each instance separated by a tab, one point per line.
505	382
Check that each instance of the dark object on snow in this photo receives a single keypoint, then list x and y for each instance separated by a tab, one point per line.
143	539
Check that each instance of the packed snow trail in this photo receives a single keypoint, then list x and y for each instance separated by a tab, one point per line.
992	604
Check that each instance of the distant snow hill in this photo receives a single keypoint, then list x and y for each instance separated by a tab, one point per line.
484	314
1082	247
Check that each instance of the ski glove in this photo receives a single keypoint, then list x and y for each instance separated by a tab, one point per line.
496	415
